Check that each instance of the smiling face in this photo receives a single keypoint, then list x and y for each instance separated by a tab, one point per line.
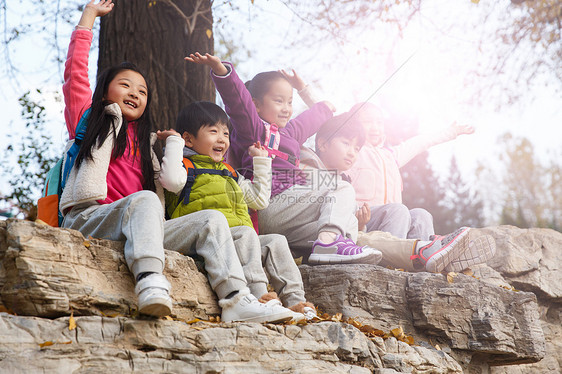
129	90
276	106
339	152
372	120
211	140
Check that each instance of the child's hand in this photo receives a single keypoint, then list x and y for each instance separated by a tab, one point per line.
91	11
363	215
101	8
211	61
163	135
461	129
330	105
257	150
295	80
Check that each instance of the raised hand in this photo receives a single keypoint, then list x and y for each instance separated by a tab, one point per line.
462	129
211	61
257	150
92	10
295	80
101	8
163	134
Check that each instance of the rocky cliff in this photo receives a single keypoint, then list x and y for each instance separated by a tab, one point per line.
69	306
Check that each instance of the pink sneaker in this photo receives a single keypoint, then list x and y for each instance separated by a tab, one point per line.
439	253
343	251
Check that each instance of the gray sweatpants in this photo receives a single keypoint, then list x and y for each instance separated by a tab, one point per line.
284	275
300	213
138	219
401	222
272	253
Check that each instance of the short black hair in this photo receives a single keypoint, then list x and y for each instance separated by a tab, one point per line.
343	125
200	114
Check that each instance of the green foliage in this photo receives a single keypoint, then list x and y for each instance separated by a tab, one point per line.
28	158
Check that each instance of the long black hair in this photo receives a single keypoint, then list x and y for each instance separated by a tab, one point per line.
100	124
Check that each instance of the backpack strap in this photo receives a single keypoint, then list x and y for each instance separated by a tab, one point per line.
193	172
75	148
271	144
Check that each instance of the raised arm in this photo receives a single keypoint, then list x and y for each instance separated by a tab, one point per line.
412	147
303	89
257	191
211	61
76	87
172	174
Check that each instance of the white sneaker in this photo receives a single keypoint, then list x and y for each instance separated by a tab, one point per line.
153	292
275	303
310	313
244	307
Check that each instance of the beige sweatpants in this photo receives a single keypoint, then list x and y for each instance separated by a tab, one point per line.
396	252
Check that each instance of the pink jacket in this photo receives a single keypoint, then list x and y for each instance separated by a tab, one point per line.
123	175
376	175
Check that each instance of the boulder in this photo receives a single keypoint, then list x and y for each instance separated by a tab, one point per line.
102	344
51	278
496	325
531	260
51	272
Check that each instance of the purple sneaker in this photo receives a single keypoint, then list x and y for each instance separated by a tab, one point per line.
343	251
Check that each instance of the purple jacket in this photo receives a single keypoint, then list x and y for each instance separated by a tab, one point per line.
249	128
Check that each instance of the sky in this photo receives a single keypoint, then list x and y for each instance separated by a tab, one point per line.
431	85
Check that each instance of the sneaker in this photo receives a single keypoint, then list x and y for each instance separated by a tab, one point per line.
153	292
343	251
244	307
310	313
480	250
442	250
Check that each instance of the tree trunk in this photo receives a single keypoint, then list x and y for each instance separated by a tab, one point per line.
156	35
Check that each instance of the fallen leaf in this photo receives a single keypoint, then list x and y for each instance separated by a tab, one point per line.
41	222
397	332
3	309
46	344
168	318
86	243
337	317
209	33
71	322
468	272
451	277
195	320
409	339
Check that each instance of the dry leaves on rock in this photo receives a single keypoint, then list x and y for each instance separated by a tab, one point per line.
71	322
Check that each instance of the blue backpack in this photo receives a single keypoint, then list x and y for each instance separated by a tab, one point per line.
48	205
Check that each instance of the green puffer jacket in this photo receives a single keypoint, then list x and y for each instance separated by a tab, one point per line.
214	192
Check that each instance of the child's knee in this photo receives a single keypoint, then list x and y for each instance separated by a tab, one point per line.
397	210
419	214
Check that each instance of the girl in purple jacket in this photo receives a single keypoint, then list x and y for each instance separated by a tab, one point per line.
304	208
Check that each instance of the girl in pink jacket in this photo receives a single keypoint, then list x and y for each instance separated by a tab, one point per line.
376	178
